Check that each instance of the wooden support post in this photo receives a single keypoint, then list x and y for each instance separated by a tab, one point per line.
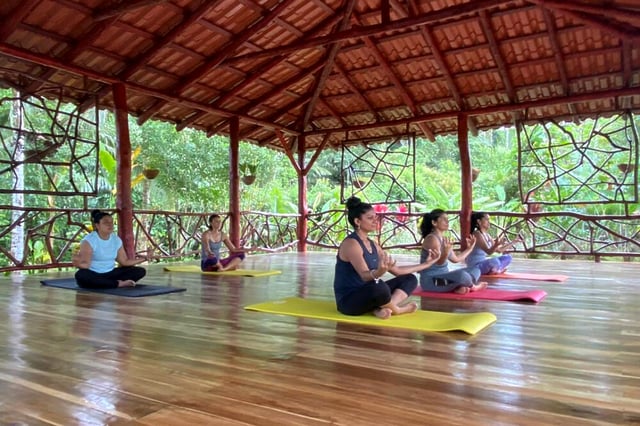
303	207
234	180
124	203
466	180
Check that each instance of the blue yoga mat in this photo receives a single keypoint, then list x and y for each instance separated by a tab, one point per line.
140	290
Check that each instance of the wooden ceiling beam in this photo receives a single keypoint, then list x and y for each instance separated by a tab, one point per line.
17	15
447	115
44	60
372	30
438	57
292	106
124	7
395	81
623	13
91	34
278	114
333	112
282	87
326	70
143	59
356	90
225	51
256	75
620	29
627	66
558	56
487	28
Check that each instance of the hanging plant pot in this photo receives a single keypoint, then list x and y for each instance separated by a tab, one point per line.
624	168
248	179
359	183
150	173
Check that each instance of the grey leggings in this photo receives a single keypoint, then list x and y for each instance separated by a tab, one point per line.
446	282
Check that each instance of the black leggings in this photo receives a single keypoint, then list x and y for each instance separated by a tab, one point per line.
86	278
371	296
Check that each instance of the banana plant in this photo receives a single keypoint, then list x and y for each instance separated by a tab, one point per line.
110	166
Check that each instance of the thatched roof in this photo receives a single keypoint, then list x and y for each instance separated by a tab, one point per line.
330	70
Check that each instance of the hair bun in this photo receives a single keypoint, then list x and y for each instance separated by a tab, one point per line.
94	214
353	202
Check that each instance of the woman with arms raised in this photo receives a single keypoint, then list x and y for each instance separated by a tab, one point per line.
360	264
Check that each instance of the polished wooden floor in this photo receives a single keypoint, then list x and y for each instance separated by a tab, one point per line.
198	358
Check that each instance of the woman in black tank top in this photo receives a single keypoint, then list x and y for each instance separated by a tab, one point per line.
361	263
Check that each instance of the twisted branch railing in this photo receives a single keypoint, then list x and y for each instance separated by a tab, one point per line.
51	235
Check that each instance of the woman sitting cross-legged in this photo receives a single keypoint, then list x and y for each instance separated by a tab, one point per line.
212	241
98	254
485	246
438	277
361	262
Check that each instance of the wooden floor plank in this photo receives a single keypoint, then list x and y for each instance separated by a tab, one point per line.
198	357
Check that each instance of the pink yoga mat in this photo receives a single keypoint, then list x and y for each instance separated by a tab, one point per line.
525	276
488	294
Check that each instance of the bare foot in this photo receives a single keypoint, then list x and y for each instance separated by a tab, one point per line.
461	290
480	286
407	309
382	313
126	283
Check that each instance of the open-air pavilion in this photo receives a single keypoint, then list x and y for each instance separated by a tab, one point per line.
303	76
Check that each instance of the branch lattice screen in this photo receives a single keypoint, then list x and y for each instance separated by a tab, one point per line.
595	162
381	172
50	143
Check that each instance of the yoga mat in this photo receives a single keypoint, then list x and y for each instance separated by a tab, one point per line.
470	323
140	290
195	269
488	294
525	276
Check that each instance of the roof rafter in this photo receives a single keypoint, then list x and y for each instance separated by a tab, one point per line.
487	28
326	71
92	33
218	102
124	7
143	59
395	82
284	86
634	91
558	56
10	23
27	55
356	90
372	30
237	41
593	17
293	105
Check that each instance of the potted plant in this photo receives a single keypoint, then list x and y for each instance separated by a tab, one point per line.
150	172
248	171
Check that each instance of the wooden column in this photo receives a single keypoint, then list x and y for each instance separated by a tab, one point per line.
124	204
234	180
303	207
465	178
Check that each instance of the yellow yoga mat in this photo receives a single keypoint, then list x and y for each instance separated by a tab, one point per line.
470	323
195	269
